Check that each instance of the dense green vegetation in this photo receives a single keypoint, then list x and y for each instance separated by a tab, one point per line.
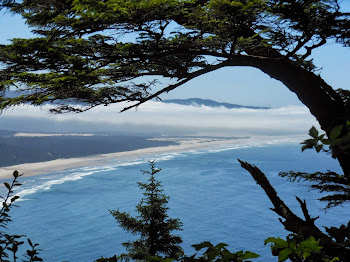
88	53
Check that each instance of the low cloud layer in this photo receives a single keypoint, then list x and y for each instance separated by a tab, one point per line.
161	118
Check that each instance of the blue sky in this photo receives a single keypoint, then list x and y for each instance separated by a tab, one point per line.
245	86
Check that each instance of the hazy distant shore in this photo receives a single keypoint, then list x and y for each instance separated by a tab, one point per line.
47	134
184	144
20	148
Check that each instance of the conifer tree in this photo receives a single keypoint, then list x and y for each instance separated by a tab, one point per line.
152	224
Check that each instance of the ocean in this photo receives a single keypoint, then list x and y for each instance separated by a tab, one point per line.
67	212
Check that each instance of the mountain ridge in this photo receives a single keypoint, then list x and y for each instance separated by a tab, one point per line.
210	103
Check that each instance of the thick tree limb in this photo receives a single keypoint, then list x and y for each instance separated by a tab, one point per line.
311	90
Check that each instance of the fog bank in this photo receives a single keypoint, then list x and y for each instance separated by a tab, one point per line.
163	119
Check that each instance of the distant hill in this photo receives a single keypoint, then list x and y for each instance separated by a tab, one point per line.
187	102
208	102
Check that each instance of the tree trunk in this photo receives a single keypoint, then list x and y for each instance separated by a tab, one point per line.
323	102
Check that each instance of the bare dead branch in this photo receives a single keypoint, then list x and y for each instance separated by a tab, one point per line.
305	211
292	222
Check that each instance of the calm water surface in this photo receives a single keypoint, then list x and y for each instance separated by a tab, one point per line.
67	212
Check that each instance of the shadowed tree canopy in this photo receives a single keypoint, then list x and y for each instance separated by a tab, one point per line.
87	53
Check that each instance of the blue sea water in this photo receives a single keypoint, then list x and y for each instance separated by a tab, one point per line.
67	213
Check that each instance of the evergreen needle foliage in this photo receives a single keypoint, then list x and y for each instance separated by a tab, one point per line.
152	224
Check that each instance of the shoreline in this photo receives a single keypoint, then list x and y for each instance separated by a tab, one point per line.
184	145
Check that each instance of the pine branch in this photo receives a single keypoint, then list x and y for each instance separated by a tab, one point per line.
330	182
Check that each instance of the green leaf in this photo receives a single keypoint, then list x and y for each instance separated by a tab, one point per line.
15	174
313	132
227	255
308	246
337	141
306	254
30	242
335	132
326	141
308	143
248	255
277	242
283	255
7	185
318	148
292	245
14	248
205	244
303	148
14	198
212	254
221	246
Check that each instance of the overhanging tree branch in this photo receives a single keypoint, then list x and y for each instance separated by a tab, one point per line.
189	77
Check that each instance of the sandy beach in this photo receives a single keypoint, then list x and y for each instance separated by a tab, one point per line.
184	144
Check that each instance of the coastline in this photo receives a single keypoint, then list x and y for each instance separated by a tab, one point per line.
184	145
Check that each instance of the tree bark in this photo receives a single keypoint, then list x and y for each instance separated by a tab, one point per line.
323	102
